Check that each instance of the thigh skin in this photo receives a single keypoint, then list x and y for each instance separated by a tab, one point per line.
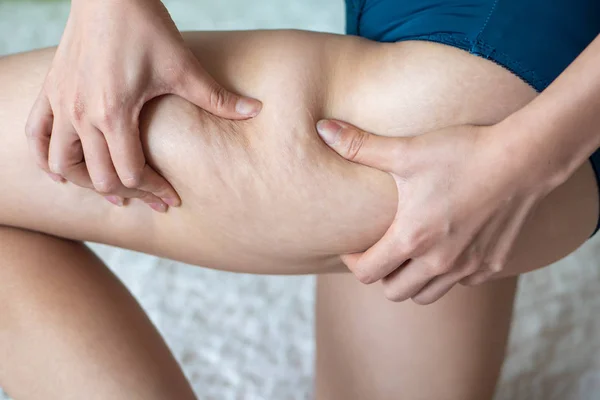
371	348
70	330
266	195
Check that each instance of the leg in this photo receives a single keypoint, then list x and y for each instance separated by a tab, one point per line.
369	347
70	330
266	195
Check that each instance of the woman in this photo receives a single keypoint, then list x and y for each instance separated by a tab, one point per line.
267	195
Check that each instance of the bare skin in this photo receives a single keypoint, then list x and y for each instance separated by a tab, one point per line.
463	214
113	57
268	196
70	330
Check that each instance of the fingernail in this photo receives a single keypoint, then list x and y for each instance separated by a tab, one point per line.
248	107
116	200
329	131
160	207
173	202
55	177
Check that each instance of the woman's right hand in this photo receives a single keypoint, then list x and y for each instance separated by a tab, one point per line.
116	55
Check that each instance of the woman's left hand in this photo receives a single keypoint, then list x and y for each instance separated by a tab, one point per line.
464	194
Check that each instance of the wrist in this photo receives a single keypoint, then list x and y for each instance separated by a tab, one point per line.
528	149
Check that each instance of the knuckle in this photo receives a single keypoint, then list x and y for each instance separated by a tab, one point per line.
469	281
355	143
218	98
496	267
33	129
472	267
132	176
392	293
476	281
364	276
441	265
418	237
412	242
56	167
107	115
495	264
444	267
394	296
146	197
437	267
423	300
77	110
108	186
59	166
133	180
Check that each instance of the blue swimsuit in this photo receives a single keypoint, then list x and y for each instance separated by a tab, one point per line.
535	39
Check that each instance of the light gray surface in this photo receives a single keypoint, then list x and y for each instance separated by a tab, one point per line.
251	337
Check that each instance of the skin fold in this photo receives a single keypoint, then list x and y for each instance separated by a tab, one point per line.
113	57
268	196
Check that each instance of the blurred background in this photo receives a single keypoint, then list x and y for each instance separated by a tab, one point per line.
248	337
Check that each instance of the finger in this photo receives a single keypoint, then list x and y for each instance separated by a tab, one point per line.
98	162
500	237
356	145
478	278
437	288
380	259
493	267
442	284
198	87
127	154
38	130
503	246
64	152
102	173
406	281
351	260
467	263
116	200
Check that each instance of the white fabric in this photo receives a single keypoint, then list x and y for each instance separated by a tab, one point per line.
251	337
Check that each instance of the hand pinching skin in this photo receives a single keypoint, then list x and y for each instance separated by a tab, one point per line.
458	216
113	58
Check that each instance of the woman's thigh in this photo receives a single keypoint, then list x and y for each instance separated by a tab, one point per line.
70	330
267	195
371	348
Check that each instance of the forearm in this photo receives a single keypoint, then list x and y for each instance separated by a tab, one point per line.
560	129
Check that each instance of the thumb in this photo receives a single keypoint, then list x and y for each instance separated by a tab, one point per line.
362	147
199	88
351	260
